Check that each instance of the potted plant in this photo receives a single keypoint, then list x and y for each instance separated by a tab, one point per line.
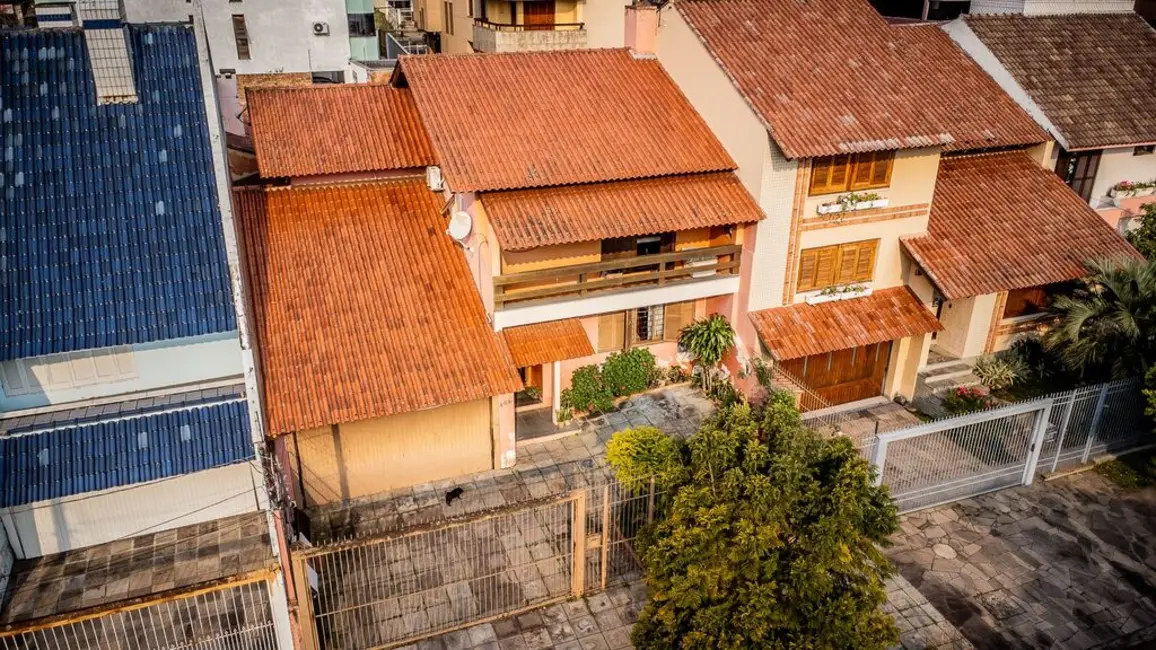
1129	189
875	200
854	291
830	294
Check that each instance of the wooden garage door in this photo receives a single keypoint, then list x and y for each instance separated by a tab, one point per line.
846	375
362	458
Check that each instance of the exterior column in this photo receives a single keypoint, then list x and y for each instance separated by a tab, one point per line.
556	392
502	430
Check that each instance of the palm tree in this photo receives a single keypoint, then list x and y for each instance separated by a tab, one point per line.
708	340
1108	323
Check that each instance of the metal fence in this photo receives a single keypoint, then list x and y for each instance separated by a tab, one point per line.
955	458
232	617
399	588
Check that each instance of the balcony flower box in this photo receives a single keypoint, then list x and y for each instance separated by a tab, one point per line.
830	208
1129	190
880	203
838	293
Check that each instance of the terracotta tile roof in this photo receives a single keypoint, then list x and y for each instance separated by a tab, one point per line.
802	330
557	340
1093	75
363	306
560	215
1002	222
832	76
509	121
335	129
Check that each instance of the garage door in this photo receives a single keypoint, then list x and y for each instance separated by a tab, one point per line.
357	459
846	375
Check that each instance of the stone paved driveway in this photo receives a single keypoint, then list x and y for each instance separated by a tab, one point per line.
1067	564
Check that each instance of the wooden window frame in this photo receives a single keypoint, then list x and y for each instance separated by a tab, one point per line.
1078	170
627	320
241	38
836	174
810	277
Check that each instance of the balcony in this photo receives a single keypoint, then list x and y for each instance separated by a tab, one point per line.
506	37
587	289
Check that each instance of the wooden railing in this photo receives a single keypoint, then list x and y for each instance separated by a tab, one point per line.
567	282
522	27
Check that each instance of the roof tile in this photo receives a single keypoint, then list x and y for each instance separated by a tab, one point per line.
832	76
803	330
508	121
1093	75
525	219
308	130
1001	222
363	305
557	340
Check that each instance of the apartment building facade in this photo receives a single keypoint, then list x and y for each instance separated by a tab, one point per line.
465	26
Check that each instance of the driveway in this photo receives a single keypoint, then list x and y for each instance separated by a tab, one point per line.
1067	564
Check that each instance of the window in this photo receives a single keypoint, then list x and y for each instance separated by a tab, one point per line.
448	18
861	171
1078	170
623	247
241	35
644	325
1144	150
831	266
68	370
361	25
330	77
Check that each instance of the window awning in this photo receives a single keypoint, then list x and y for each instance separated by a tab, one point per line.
532	345
803	330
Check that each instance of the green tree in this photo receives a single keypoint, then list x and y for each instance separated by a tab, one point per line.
771	541
708	340
1144	237
1106	326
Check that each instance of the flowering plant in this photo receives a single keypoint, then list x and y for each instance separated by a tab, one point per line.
965	399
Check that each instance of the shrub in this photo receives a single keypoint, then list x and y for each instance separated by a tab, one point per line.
676	374
637	454
588	391
966	399
564	414
708	340
629	372
1001	371
724	394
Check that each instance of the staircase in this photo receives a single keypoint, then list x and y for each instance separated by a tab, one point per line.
941	375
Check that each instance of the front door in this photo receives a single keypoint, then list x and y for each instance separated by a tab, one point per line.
844	376
539	14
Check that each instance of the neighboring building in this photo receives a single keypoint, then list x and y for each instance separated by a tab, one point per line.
124	419
465	26
1049	7
1090	81
840	131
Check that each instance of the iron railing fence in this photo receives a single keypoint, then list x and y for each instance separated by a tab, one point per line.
232	617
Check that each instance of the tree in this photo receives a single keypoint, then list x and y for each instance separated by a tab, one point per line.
708	340
771	541
1106	326
1144	237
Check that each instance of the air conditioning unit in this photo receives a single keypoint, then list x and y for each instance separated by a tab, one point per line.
433	175
320	29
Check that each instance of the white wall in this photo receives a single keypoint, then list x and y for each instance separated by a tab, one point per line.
97	517
605	22
1044	7
1120	165
157	365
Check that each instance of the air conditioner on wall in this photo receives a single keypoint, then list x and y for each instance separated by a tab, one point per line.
320	29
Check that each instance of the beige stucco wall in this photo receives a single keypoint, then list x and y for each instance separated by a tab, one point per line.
908	355
605	22
362	458
965	325
549	257
912	182
764	171
888	257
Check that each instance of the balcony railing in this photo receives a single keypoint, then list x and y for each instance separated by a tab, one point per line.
645	271
510	27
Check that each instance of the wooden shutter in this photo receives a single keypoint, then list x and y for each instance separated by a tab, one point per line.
871	170
808	264
829	175
611	331
865	264
678	315
848	262
818	268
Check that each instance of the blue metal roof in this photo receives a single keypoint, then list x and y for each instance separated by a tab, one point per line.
110	232
77	459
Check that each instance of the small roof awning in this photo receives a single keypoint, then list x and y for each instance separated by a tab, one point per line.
532	345
803	330
524	219
1001	222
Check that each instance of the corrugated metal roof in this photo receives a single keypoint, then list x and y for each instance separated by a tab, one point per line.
73	460
110	231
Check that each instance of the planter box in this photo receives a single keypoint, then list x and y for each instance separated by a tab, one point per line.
820	298
851	295
1129	194
880	203
830	209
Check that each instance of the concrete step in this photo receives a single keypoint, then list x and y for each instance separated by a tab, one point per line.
932	368
941	378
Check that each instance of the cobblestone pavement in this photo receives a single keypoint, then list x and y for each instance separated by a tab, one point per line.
603	622
1066	564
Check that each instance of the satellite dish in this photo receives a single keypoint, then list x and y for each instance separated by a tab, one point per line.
460	225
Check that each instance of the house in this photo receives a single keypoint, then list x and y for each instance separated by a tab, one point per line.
611	224
1090	81
1049	7
467	26
125	419
846	140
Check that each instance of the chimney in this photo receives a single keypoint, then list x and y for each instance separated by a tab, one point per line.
642	29
104	36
